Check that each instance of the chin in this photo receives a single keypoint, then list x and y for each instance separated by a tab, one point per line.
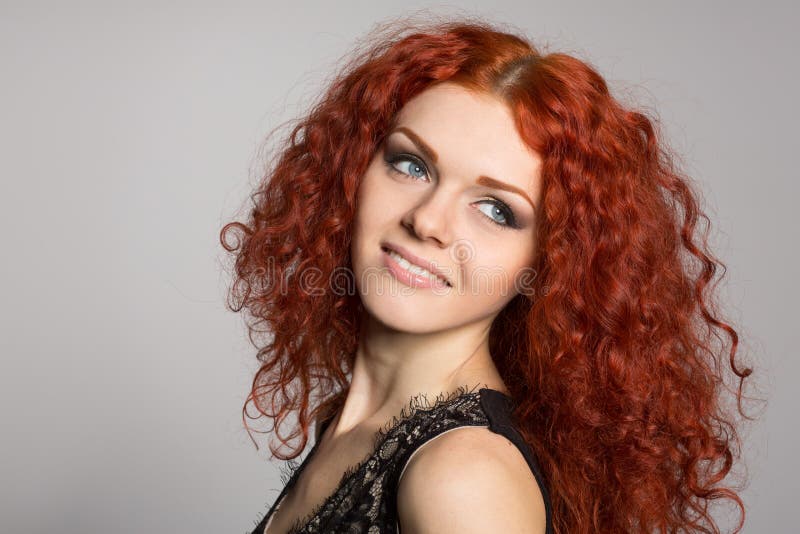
401	312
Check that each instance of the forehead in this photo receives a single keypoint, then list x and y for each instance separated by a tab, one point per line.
471	133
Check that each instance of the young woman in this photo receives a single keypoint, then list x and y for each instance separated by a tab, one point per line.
477	273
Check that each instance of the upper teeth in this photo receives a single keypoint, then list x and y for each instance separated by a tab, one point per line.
405	264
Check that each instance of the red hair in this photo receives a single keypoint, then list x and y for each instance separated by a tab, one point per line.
610	359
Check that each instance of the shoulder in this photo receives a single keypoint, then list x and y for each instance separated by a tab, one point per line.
469	480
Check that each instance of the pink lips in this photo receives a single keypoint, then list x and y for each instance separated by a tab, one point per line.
406	276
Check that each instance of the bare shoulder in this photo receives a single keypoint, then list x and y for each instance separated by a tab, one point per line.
469	480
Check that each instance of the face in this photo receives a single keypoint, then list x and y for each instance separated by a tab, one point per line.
452	188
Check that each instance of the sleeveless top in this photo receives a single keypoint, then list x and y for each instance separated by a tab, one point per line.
365	499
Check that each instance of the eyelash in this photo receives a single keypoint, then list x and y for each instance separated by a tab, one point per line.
508	213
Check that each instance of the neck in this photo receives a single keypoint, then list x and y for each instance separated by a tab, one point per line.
392	366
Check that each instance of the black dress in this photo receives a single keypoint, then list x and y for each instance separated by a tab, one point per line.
365	499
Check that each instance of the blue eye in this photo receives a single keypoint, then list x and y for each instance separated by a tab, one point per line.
495	211
416	169
415	165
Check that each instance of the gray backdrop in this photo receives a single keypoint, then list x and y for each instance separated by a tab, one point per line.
130	133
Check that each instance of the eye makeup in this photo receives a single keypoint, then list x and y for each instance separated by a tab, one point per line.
392	158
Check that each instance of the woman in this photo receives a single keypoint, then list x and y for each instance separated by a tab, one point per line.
467	234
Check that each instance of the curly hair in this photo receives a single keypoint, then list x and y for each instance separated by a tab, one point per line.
611	360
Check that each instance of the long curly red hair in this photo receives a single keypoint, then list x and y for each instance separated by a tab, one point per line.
611	358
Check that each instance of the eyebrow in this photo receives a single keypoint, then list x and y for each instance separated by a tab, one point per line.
484	180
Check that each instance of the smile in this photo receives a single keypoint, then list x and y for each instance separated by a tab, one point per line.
409	273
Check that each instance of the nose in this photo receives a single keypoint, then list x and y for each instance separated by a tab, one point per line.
430	220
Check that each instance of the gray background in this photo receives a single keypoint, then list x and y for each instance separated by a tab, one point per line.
131	133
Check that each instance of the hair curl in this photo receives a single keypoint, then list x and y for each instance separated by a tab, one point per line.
617	382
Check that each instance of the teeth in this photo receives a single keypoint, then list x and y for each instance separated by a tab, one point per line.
413	268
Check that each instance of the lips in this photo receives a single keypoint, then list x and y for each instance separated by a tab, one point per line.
416	260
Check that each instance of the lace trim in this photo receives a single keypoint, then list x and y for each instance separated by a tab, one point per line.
416	405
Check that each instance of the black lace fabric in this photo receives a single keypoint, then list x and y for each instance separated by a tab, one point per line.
364	501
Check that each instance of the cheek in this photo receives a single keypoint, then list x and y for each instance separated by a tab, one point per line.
380	204
495	269
375	214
